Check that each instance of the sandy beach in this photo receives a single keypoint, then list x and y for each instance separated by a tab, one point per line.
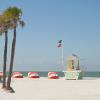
49	89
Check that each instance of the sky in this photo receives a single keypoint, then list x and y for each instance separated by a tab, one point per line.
75	22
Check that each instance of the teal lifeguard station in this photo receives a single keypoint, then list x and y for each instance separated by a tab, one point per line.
73	68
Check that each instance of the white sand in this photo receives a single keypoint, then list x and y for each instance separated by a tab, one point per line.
47	89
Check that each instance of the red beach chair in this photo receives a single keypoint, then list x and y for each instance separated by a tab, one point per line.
53	75
33	74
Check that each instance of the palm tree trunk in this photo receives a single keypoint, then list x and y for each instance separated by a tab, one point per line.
5	59
11	60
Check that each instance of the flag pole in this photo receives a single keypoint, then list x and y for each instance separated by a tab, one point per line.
62	56
60	45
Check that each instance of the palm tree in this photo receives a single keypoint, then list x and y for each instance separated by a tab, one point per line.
4	29
14	14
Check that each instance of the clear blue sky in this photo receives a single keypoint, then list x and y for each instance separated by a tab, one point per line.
76	22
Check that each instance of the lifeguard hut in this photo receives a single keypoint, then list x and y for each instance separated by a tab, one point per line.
70	64
73	63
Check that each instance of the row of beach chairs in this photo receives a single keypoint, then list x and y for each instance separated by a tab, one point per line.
51	75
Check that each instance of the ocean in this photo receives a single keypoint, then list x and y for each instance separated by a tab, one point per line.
61	74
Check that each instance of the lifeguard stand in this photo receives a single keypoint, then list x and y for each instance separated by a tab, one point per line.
73	68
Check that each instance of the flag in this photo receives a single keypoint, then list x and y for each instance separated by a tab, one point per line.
59	44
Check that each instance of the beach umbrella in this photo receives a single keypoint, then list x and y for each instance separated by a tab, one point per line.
33	74
53	75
